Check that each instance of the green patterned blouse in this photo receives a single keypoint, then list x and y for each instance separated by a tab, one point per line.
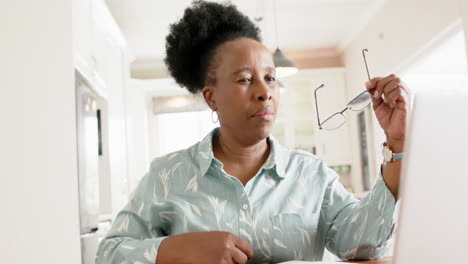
291	209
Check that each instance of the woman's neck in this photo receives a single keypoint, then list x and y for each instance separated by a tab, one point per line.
233	151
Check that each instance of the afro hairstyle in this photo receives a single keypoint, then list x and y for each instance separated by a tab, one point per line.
192	41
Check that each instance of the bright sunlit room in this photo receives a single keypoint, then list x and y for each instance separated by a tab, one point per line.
237	131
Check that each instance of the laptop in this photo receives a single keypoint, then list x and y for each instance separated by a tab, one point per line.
433	220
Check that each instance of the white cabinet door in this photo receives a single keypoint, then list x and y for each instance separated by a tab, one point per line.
83	35
108	45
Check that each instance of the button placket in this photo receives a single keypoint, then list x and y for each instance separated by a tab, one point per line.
245	229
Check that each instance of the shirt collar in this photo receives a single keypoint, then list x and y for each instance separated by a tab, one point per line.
276	160
278	157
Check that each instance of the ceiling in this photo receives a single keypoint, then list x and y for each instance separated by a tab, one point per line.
306	28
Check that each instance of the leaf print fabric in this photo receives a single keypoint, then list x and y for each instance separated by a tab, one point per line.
291	210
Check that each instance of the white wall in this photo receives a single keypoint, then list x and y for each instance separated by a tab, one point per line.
394	38
137	108
38	163
464	14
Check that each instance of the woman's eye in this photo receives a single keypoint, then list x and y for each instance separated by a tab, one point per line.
245	80
270	79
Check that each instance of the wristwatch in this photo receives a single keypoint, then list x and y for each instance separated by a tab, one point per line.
388	154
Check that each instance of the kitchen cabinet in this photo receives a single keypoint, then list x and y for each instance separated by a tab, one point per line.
100	50
101	60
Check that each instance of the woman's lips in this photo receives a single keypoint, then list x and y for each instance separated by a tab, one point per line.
264	115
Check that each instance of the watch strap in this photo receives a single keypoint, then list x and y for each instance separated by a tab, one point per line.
395	156
398	156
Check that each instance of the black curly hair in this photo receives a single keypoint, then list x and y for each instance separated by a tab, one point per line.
192	41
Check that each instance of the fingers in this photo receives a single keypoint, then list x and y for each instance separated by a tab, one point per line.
382	84
394	91
389	87
377	101
378	84
239	257
392	96
371	85
383	87
244	246
393	84
396	96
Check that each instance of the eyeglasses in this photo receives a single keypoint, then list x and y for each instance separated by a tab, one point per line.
359	103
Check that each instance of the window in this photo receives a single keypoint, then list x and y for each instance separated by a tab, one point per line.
176	131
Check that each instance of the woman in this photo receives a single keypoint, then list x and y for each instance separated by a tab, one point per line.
238	196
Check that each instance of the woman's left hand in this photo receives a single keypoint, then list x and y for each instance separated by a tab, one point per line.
390	103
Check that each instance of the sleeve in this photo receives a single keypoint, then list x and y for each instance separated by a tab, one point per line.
359	229
135	235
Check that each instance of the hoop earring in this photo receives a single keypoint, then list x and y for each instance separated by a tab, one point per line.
212	118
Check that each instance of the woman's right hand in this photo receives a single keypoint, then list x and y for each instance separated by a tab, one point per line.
205	248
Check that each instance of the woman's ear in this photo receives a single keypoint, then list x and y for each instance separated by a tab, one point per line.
208	94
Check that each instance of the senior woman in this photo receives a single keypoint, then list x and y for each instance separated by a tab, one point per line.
238	196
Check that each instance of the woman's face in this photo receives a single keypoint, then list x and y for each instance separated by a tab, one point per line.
245	93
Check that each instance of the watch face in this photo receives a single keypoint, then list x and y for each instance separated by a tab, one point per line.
387	154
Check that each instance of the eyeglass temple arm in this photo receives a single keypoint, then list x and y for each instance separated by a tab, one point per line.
316	105
365	62
367	68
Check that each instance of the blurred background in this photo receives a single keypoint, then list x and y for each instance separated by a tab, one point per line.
87	102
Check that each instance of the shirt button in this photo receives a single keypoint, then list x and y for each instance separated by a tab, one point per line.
245	206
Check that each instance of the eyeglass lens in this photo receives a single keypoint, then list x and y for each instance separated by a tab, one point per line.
360	102
334	122
357	104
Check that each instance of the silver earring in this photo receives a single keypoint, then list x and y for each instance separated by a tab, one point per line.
212	118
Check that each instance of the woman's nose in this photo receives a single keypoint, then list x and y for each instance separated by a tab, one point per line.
263	92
